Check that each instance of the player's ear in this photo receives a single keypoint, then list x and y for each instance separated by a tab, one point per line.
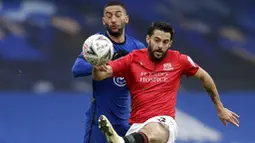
147	39
103	21
170	43
126	19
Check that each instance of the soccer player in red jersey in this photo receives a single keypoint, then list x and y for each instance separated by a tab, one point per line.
153	76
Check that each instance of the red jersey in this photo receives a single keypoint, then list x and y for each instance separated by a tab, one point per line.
153	85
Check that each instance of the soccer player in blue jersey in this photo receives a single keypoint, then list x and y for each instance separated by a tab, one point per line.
110	96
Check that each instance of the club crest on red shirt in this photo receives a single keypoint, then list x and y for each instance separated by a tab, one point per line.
167	67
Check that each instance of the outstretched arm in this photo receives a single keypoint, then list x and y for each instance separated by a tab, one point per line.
210	87
81	67
190	68
117	68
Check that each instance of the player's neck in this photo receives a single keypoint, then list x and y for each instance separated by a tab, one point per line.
153	59
119	39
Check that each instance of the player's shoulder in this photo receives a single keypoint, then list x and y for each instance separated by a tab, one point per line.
176	54
135	41
100	33
130	38
139	52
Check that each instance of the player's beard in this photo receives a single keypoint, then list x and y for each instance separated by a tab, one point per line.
152	52
115	33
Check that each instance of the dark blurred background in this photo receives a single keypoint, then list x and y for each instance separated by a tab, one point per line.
40	40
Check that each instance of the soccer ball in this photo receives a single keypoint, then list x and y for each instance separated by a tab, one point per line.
97	49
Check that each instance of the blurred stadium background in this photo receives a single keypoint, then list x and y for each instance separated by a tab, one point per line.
40	101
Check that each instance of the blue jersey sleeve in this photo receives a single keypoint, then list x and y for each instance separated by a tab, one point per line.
81	67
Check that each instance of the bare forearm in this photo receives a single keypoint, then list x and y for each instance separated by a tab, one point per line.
211	89
101	73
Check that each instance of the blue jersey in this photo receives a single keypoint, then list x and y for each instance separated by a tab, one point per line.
110	96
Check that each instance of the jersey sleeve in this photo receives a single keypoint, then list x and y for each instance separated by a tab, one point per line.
120	66
189	67
81	67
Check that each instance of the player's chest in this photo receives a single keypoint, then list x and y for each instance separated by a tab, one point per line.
127	48
145	72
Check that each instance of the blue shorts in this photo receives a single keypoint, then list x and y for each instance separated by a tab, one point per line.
94	135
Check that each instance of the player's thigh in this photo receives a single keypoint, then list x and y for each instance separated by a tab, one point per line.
156	132
167	122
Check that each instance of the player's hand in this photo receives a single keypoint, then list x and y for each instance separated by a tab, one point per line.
226	115
102	68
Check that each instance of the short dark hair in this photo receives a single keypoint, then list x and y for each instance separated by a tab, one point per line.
116	3
163	26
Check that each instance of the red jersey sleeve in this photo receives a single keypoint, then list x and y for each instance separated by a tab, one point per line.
189	67
121	65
